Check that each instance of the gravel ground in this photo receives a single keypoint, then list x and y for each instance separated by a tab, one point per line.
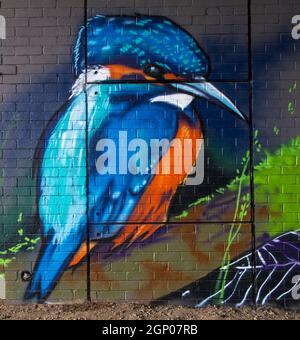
128	311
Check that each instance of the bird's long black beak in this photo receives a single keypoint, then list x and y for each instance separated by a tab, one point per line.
204	89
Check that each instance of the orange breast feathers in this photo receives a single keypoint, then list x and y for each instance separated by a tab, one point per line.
155	201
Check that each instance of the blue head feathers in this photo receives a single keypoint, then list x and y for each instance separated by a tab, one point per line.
140	41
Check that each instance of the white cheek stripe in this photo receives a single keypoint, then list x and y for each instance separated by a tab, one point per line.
95	74
180	100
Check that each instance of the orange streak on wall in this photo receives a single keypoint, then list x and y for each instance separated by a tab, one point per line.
81	253
118	72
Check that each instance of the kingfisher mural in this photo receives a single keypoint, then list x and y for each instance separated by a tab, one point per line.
152	233
141	48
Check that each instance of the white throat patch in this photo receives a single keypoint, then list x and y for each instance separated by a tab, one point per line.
180	100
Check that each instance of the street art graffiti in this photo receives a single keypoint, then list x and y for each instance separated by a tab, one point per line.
116	189
121	204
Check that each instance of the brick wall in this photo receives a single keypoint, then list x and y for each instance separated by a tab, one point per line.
245	202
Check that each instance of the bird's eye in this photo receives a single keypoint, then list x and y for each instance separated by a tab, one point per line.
154	71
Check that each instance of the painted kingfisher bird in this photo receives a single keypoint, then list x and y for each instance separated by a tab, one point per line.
140	74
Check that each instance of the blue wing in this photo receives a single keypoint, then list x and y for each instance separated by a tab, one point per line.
61	196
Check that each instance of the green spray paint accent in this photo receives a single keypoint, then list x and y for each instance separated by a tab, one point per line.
277	186
293	88
276	130
241	210
184	214
199	201
20	218
5	262
202	200
257	145
291	108
25	243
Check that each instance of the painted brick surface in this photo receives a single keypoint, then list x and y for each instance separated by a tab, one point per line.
194	245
